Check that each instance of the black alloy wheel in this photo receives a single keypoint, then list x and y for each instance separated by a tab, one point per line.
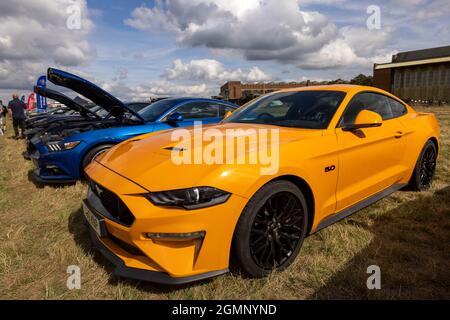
276	230
425	168
270	230
428	166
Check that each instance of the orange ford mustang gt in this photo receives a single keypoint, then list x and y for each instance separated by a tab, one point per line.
334	149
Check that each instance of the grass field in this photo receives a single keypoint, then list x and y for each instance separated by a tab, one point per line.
407	235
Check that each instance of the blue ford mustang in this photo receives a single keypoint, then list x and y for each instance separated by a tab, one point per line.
60	154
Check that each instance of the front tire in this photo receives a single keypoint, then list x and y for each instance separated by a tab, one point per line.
425	167
270	230
94	153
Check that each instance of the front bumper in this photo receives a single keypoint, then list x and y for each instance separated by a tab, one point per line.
163	261
39	177
53	167
121	270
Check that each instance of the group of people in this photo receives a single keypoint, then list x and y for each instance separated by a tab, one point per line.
16	108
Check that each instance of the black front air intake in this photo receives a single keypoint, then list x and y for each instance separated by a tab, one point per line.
113	204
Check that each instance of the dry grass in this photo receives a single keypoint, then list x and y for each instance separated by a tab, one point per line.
407	235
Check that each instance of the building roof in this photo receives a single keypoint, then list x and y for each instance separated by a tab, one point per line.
411	63
417	57
422	54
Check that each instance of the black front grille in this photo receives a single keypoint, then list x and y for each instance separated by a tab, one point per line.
113	204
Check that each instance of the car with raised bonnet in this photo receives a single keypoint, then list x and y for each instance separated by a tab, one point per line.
341	148
64	148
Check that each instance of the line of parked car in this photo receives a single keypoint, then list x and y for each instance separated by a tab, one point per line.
64	141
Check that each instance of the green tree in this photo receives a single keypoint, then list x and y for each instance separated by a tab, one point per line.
362	80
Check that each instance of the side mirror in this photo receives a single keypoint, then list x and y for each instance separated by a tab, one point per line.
229	113
365	119
175	117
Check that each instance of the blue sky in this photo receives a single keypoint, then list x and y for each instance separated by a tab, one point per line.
137	49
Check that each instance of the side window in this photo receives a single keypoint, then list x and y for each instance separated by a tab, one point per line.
198	110
398	109
223	109
367	101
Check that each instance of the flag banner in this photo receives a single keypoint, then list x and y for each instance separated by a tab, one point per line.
30	102
41	102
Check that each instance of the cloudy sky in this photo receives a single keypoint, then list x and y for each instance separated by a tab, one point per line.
137	49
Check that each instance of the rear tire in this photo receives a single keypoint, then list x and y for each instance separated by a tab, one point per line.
270	230
423	173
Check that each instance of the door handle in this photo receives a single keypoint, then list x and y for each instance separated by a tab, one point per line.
398	134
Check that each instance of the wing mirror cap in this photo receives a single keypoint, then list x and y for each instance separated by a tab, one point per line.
175	117
365	119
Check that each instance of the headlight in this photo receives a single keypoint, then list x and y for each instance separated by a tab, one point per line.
60	145
192	198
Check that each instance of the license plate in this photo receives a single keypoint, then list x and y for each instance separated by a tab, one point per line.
94	221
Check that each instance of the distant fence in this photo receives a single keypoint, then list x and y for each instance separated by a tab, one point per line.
427	103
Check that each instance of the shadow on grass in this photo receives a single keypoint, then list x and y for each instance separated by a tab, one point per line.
41	185
411	245
78	228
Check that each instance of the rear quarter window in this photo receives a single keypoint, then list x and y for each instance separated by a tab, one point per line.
398	109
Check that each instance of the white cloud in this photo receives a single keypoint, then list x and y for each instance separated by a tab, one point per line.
211	70
151	89
353	47
34	35
434	9
262	30
198	78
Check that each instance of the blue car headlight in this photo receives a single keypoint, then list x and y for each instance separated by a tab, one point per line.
61	145
191	198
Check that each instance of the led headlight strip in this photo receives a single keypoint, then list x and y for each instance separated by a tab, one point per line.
191	198
59	146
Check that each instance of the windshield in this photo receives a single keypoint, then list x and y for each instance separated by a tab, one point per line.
153	111
137	106
302	109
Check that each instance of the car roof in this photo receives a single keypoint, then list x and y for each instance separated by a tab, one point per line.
334	87
186	99
347	88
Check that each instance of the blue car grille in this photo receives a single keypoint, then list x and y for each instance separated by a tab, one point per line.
113	204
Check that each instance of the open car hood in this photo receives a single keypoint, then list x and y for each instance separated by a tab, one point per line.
91	91
70	103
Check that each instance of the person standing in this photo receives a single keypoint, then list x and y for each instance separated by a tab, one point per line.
17	109
3	113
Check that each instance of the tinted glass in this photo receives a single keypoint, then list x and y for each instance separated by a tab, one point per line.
224	109
398	109
304	109
199	110
153	111
137	106
367	101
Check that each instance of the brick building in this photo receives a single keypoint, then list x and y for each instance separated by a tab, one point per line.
239	92
416	75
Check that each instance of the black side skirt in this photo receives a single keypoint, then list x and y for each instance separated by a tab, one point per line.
360	205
